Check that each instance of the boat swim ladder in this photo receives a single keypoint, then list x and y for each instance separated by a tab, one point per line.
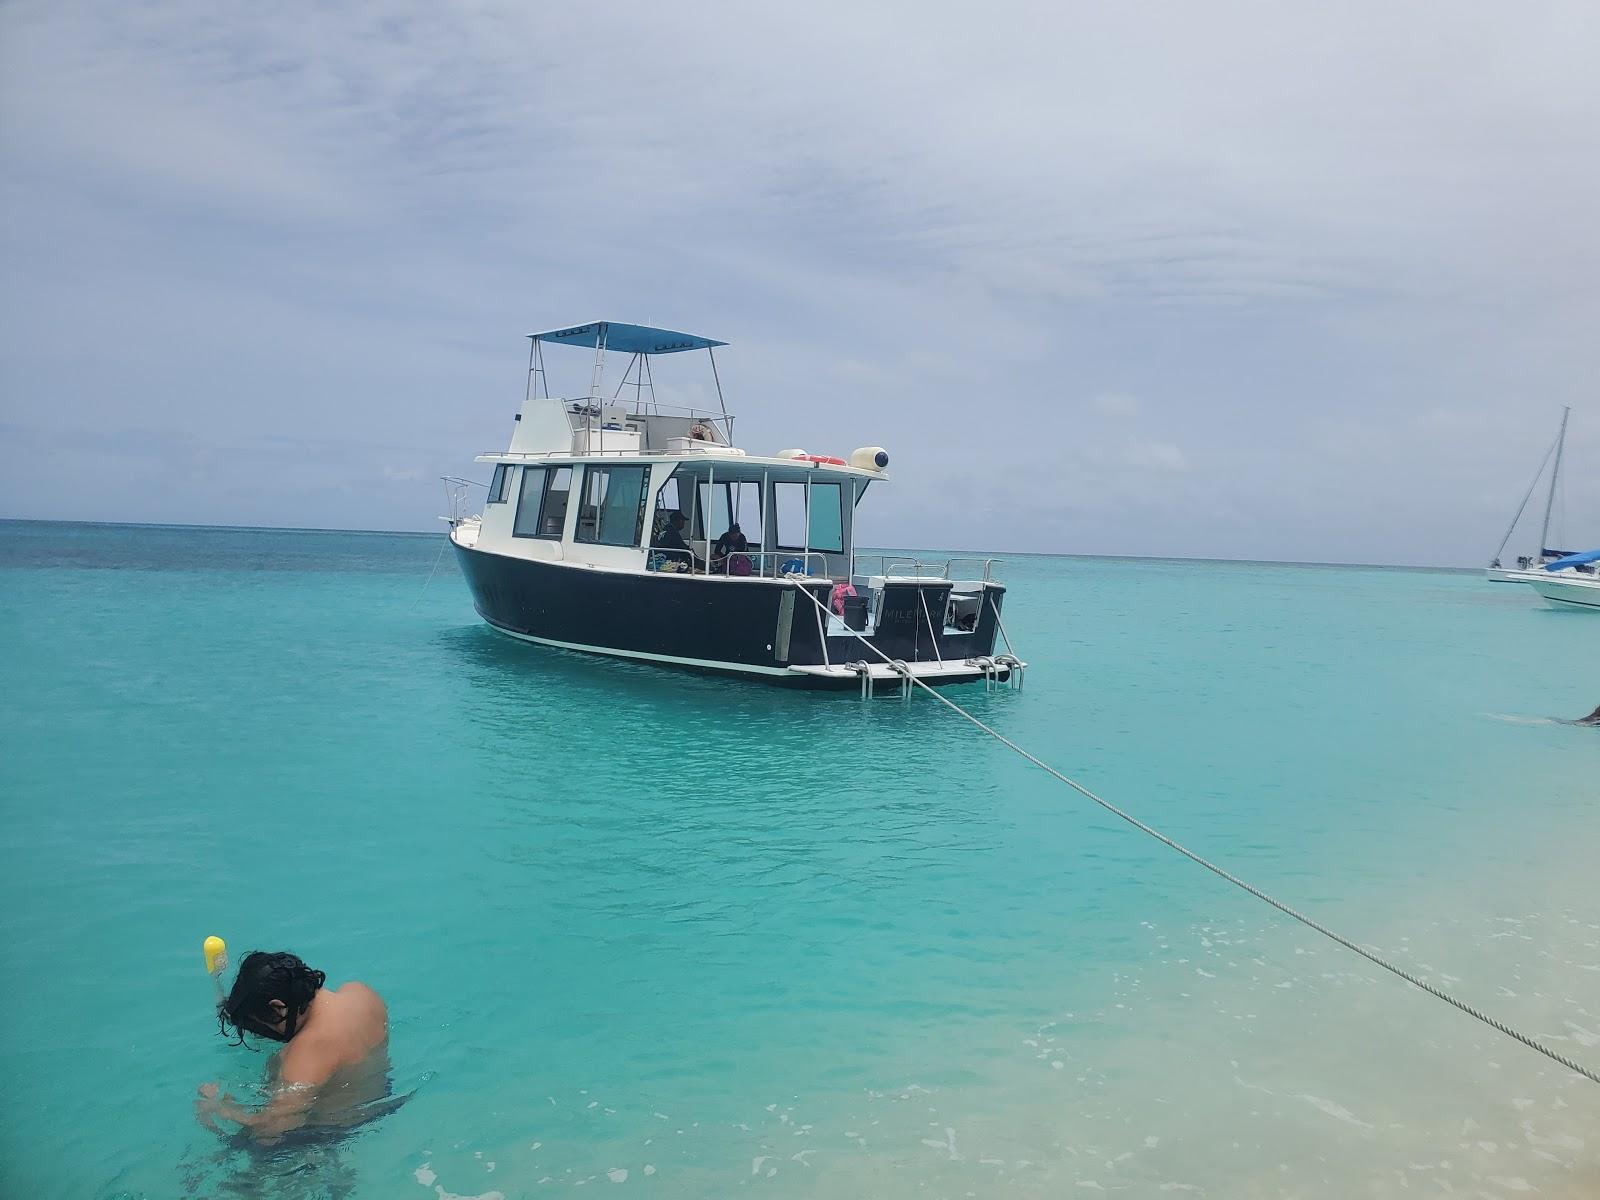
991	668
1311	923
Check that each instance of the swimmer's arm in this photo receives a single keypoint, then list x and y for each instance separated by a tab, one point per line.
303	1070
284	1112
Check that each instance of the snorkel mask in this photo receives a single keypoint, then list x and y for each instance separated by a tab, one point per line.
262	979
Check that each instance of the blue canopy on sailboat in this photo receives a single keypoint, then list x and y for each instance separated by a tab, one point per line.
1574	560
627	339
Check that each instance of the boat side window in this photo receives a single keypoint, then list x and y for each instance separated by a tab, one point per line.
667	499
747	506
500	485
612	509
526	523
826	519
553	512
724	504
667	503
542	505
789	515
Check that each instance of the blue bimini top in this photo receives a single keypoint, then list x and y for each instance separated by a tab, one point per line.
627	339
1573	560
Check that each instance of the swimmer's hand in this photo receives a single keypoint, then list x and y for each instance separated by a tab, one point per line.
285	1111
208	1105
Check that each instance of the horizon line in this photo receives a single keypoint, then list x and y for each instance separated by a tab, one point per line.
952	553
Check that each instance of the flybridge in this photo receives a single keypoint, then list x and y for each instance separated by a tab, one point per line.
641	343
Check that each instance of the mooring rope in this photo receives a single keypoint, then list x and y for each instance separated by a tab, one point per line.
1220	872
437	559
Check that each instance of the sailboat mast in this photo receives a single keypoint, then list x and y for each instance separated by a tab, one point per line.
1555	474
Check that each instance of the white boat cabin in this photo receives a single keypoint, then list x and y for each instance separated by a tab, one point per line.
596	482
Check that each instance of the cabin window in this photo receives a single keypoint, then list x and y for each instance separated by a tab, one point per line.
789	515
747	508
818	524
612	511
723	504
527	519
542	505
668	502
553	511
826	518
501	483
667	499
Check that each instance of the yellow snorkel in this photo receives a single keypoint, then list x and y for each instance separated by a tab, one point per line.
216	951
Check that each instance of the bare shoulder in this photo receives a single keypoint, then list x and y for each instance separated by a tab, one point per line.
308	1059
359	995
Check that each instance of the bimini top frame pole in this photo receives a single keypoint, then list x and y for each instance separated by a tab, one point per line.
727	421
536	375
599	365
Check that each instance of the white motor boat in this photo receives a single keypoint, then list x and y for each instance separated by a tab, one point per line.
1570	582
640	531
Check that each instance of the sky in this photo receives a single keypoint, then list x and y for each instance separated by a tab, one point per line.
1238	280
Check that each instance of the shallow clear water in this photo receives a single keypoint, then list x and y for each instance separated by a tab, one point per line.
675	934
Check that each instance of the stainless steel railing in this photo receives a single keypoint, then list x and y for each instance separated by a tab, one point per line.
889	564
765	564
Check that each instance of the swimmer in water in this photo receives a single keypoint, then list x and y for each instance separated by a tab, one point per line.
1592	719
334	1062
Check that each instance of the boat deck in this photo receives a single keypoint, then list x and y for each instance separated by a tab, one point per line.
882	674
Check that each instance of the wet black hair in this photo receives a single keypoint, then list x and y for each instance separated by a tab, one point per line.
263	978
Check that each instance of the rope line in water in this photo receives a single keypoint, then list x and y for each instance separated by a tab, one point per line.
437	559
1308	922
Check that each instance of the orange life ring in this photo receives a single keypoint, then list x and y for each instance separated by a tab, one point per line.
829	459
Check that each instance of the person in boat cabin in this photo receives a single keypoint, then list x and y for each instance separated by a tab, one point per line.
671	540
335	1041
730	543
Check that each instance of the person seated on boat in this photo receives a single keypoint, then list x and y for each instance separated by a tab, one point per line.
723	550
334	1062
670	542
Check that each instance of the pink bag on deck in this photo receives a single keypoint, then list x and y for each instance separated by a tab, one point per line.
836	600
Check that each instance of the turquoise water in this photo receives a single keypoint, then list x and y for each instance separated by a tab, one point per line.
656	932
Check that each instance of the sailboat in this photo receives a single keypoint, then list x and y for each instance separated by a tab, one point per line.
1533	562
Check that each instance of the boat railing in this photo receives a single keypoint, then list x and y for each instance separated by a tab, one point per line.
456	496
893	564
590	413
588	406
765	564
718	450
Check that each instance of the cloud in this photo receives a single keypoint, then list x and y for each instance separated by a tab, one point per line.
1116	404
1155	456
1262	244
